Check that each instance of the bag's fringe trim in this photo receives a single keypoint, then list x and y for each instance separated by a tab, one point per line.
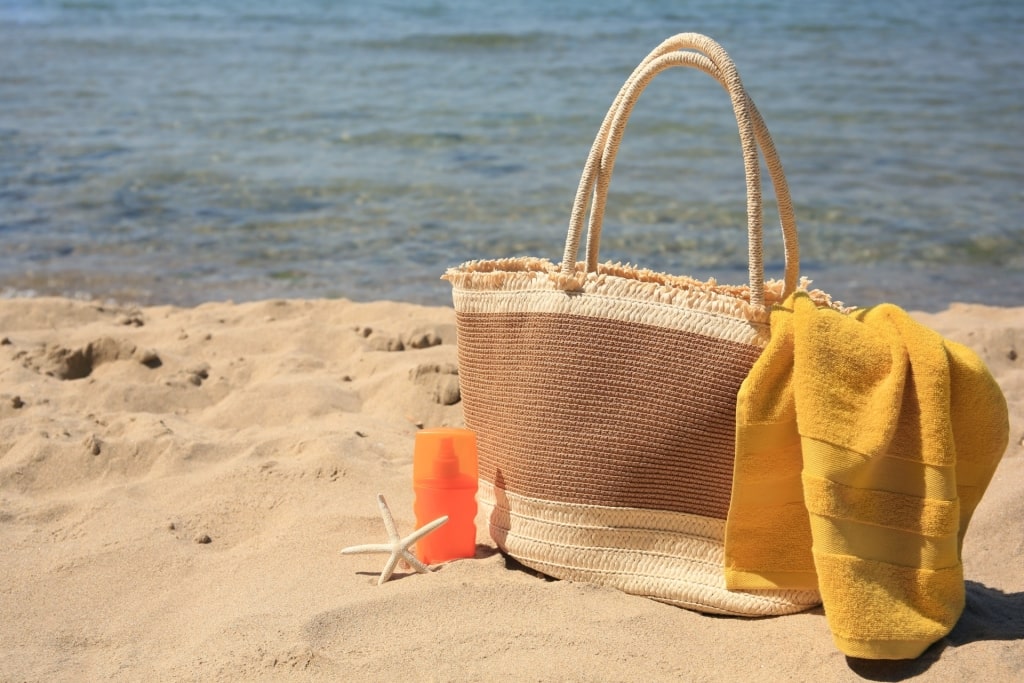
626	281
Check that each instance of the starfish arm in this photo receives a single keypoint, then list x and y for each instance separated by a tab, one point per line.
389	568
423	531
368	548
389	521
415	562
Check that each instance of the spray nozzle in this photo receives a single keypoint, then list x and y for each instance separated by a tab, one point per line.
446	466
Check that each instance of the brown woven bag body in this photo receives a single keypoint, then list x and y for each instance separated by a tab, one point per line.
603	396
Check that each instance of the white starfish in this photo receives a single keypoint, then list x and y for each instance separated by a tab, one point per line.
396	545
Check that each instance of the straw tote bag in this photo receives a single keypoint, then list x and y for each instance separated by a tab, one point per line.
603	396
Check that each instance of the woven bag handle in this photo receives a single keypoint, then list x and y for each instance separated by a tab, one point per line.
708	56
659	60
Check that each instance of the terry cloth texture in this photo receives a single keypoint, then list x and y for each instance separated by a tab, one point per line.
864	442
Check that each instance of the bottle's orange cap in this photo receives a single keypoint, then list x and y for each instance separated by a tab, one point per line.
444	453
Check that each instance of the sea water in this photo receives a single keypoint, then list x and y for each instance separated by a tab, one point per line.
179	151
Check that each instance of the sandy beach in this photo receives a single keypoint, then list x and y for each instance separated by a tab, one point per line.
176	485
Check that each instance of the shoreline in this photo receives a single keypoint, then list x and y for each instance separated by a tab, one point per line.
913	287
176	484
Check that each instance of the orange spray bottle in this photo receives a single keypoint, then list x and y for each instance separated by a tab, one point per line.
444	474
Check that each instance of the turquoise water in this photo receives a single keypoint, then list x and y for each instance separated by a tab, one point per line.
186	151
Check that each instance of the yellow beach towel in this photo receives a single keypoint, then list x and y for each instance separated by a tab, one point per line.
863	445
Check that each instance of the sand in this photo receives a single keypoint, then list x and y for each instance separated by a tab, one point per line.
176	484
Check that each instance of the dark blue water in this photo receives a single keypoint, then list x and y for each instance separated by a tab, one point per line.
185	151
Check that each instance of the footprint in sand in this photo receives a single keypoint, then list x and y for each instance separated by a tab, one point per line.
64	363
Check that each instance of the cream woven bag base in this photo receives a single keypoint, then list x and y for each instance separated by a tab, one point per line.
603	396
